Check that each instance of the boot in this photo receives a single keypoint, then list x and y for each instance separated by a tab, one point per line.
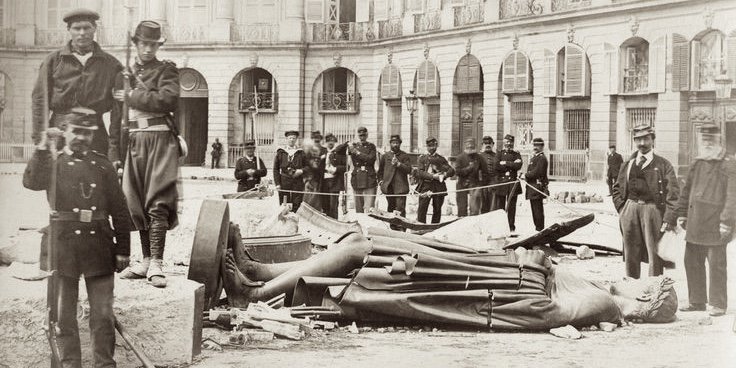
158	241
138	270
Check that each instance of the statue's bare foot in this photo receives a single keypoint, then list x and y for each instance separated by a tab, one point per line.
239	288
245	263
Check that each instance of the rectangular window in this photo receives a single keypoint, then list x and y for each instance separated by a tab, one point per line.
521	123
577	129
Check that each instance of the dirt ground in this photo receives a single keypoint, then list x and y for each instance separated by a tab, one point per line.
694	340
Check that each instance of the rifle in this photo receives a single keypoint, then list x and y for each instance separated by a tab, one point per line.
52	282
126	91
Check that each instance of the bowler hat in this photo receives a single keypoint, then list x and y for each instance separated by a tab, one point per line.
316	134
78	15
329	137
709	128
488	140
643	131
250	143
395	137
538	141
291	132
81	117
148	30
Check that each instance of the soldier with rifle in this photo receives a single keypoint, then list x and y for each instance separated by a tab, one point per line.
151	164
84	196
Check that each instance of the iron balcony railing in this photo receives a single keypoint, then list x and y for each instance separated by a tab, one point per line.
569	165
390	28
339	101
469	14
7	37
428	21
16	152
520	8
254	32
562	5
636	79
51	37
353	31
266	101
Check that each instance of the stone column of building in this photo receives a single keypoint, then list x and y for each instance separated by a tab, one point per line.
224	21
601	109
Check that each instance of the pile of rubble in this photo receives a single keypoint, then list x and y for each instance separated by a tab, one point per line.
578	197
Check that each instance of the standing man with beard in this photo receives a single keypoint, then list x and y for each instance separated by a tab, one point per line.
489	193
288	168
363	179
393	171
707	207
88	199
333	180
509	164
536	177
470	168
645	196
431	172
152	163
79	74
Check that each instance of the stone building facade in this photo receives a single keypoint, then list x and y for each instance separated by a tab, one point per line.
578	73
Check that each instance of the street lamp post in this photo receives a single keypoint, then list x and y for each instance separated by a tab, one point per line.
411	107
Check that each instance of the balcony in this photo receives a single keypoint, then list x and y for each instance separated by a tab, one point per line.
111	35
636	79
428	21
343	32
509	9
254	33
390	28
338	102
193	33
265	101
52	37
7	37
562	5
469	14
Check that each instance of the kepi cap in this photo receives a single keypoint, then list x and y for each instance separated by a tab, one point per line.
362	130
488	140
395	137
329	137
431	140
509	137
469	142
81	117
538	142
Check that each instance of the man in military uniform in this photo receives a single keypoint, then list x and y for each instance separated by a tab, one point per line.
431	172
288	168
333	179
707	207
216	153
509	164
249	169
314	170
152	165
79	74
470	168
393	172
489	156
645	196
613	161
86	196
536	177
363	179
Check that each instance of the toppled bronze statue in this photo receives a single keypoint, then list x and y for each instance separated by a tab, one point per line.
397	280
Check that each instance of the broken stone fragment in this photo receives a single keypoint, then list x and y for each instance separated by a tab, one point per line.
584	252
607	326
566	332
353	328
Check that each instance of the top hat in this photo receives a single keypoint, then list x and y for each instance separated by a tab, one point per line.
148	30
395	137
538	142
643	131
291	132
78	15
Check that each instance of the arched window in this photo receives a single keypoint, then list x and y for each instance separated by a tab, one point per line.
390	83
427	80
468	75
516	73
339	91
258	89
573	71
708	60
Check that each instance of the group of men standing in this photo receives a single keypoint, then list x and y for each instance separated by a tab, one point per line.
647	195
92	211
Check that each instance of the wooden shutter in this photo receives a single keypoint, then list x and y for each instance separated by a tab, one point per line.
657	65
431	80
328	82
461	76
362	11
610	69
421	87
522	72
352	87
680	63
314	11
509	73
575	71
390	81
731	54
380	9
550	74
695	66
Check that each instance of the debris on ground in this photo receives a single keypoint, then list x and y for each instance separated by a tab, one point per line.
584	252
705	321
607	326
353	328
578	197
566	332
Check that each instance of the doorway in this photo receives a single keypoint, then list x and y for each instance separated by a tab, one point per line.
471	118
192	115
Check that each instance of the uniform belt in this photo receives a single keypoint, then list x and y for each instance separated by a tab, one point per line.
641	201
144	123
81	216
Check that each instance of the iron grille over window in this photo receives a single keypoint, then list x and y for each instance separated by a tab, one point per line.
639	117
577	129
